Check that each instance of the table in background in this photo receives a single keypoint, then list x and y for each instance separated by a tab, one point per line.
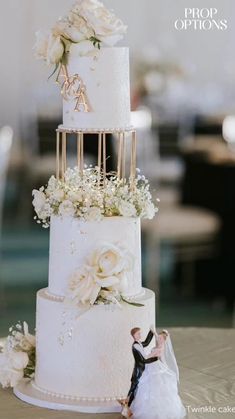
206	359
208	183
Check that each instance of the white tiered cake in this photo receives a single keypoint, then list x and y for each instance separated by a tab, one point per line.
95	295
93	360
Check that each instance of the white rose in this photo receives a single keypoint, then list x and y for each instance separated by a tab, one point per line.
82	5
122	285
66	208
39	199
107	268
81	26
109	31
14	340
12	368
41	45
106	26
75	30
82	287
108	260
19	360
85	49
91	4
24	340
111	265
126	209
9	377
28	342
55	50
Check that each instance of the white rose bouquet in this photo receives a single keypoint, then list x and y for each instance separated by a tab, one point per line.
106	27
17	359
88	22
104	278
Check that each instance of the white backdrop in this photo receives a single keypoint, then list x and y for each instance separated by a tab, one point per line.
208	56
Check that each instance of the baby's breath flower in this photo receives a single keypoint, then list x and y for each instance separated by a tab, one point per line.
87	196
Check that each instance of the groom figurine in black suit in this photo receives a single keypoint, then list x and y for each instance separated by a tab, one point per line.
140	362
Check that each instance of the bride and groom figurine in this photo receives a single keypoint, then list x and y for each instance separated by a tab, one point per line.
154	383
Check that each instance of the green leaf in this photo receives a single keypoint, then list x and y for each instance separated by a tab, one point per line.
96	42
132	303
56	68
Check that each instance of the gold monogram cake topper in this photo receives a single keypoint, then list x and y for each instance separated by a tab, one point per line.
73	88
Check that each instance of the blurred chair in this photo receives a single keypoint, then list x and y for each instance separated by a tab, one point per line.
192	234
147	144
6	138
41	152
209	183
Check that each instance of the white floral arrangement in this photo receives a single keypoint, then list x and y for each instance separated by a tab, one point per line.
88	196
88	23
103	279
17	358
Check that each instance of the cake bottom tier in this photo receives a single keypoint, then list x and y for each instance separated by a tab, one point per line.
86	354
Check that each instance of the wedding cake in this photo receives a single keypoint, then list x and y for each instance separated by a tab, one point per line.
94	295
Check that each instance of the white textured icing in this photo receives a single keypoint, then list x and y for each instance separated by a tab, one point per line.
72	240
95	361
107	84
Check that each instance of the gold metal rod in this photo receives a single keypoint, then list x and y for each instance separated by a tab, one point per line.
119	156
63	163
123	155
82	152
134	153
79	151
57	155
99	157
65	71
99	151
104	156
65	152
133	158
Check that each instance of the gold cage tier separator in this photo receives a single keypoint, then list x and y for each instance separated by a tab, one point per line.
126	140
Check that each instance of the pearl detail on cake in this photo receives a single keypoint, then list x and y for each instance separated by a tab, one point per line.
77	398
62	128
128	298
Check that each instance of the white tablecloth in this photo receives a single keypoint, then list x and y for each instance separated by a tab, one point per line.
206	359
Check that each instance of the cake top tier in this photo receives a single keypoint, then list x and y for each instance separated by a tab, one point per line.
93	74
88	23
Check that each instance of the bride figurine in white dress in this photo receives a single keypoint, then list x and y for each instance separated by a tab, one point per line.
157	393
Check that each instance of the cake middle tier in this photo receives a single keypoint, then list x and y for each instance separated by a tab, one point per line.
75	242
